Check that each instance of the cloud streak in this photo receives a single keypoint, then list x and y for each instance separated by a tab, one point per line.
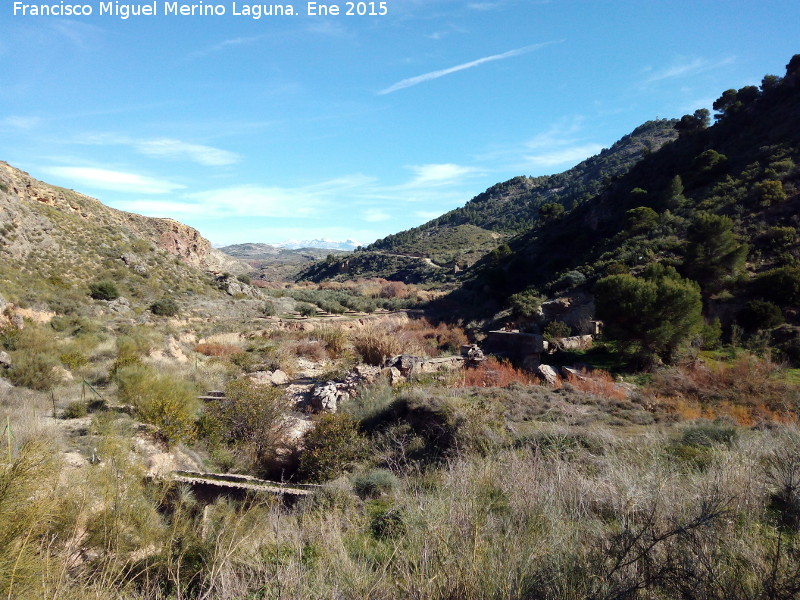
117	181
412	81
688	68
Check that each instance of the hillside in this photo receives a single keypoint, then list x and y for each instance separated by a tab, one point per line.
54	242
462	236
720	204
278	263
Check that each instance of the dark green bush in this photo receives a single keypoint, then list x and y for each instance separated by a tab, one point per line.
307	310
387	521
760	314
76	410
165	307
331	448
556	329
781	285
104	290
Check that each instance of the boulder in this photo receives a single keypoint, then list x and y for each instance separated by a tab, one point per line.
5	360
325	397
405	363
276	377
119	305
393	375
568	372
548	374
577	342
472	353
5	385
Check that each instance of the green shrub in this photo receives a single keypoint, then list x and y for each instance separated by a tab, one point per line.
132	346
161	399
525	304
165	307
332	447
73	360
76	410
252	420
387	521
307	310
244	279
781	285
378	482
569	280
709	434
33	370
104	290
556	329
268	309
770	193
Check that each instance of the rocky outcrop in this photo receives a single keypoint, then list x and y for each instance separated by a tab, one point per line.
276	377
33	229
577	342
576	310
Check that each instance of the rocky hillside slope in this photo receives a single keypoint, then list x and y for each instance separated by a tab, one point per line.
53	239
461	237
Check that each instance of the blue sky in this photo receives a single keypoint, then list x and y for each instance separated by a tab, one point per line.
301	127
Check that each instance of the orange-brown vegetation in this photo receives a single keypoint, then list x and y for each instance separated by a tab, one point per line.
599	383
494	373
217	350
435	338
310	349
749	390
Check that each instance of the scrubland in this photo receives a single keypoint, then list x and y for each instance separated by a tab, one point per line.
477	483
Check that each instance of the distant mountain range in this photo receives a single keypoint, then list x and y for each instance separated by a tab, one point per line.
263	250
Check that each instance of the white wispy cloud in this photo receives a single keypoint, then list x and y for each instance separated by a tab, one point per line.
438	174
225	44
176	150
165	148
687	67
412	81
375	215
117	181
256	201
20	122
563	144
564	156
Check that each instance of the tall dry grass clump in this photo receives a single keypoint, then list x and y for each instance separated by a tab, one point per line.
750	390
495	373
376	343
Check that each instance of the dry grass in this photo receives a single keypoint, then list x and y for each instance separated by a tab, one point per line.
598	383
750	390
437	338
494	373
217	350
375	343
